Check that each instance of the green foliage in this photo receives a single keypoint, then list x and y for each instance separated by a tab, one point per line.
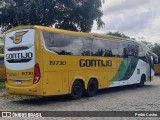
75	15
2	49
118	34
2	84
1	45
1	38
156	49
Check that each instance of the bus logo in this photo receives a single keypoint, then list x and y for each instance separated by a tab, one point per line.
17	38
19	57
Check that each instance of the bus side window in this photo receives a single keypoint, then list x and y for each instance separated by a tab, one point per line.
63	44
94	47
116	49
108	53
142	54
125	53
130	49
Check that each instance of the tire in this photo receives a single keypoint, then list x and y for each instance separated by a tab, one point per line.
77	90
143	79
91	88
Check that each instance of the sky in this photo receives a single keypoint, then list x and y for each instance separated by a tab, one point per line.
138	19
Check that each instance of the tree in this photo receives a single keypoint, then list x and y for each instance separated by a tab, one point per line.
156	49
1	45
1	49
148	44
153	47
75	15
1	38
118	34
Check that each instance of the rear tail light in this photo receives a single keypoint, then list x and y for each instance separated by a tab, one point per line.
37	74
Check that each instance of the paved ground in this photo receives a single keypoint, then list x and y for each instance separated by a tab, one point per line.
128	98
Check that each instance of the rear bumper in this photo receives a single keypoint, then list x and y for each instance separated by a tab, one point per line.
32	90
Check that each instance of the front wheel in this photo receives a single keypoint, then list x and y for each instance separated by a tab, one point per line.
143	79
77	90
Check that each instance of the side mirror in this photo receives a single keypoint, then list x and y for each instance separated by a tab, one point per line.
156	61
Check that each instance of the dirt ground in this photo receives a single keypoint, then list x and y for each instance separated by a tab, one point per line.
126	98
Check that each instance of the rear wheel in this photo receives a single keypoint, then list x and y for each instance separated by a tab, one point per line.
77	90
92	88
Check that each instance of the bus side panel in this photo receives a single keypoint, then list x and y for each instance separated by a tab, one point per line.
97	74
111	76
77	75
65	83
52	84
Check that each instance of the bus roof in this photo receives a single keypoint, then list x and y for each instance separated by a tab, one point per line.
81	34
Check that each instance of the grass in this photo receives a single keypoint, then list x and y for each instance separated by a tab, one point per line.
2	84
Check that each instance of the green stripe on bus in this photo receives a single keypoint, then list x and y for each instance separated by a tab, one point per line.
126	69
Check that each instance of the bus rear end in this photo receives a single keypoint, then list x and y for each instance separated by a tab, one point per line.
22	70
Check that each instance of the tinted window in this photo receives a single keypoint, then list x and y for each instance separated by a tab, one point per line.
72	45
63	44
117	49
130	48
94	47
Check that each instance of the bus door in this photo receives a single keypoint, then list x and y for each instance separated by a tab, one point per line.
150	67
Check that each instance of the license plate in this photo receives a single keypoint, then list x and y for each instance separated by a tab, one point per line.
18	82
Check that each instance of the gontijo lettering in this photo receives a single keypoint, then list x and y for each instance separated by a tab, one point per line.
95	63
19	57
